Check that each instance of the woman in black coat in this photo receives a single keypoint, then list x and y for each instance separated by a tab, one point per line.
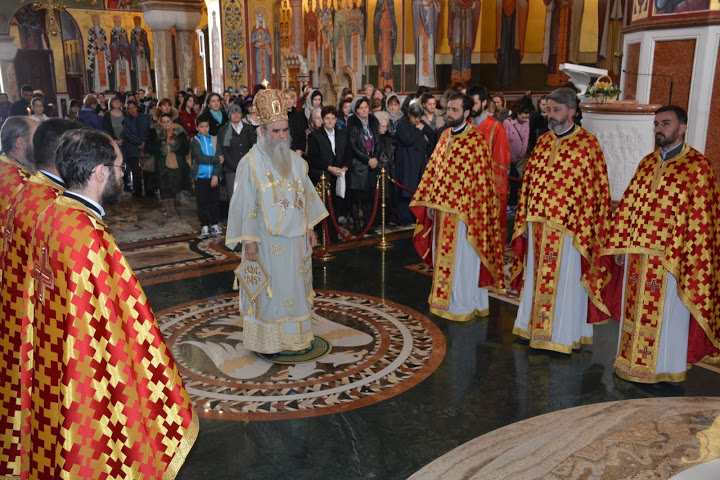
321	158
411	156
363	135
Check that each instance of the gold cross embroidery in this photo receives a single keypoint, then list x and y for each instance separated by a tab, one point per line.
272	183
299	192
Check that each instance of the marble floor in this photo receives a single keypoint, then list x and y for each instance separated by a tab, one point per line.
402	392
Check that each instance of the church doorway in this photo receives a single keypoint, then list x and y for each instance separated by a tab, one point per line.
35	68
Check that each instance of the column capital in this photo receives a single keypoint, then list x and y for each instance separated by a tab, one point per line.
8	49
164	15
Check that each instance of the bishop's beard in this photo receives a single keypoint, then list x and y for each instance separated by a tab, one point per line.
279	153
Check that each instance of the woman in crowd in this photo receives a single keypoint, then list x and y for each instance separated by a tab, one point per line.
394	112
315	100
343	114
73	110
386	156
429	115
315	121
375	105
170	147
235	140
37	105
501	111
363	135
411	156
188	115
151	111
113	123
518	135
249	114
379	95
328	153
214	112
165	106
179	99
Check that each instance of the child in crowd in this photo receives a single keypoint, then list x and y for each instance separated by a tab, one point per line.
206	171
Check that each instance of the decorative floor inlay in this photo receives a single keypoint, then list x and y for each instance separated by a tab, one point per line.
511	296
379	349
179	257
653	438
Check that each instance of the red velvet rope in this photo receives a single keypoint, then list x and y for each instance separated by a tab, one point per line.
400	186
367	227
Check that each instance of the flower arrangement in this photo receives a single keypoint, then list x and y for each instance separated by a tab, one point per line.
603	91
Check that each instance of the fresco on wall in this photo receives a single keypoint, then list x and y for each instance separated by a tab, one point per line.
664	7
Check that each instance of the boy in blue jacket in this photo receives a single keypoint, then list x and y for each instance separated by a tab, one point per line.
206	171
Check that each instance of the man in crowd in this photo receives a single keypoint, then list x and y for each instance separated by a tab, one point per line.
538	123
22	106
666	238
34	197
272	213
136	126
496	136
458	229
104	385
562	215
4	107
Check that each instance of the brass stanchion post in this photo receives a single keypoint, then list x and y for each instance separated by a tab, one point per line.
384	244
327	256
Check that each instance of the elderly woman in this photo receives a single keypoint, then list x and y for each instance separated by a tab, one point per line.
364	138
234	140
412	138
170	148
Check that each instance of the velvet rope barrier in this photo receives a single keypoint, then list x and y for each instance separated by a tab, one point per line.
367	227
401	186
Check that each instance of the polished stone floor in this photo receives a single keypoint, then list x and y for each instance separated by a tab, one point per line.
485	379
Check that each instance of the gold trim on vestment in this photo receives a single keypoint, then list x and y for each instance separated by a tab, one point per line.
460	317
444	264
184	448
661	377
552	346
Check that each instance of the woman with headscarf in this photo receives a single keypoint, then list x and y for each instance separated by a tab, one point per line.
412	138
395	113
315	100
363	135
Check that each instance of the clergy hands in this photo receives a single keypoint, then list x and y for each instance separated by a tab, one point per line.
373	163
251	252
312	238
620	260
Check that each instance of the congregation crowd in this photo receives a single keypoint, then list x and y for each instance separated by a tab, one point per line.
191	144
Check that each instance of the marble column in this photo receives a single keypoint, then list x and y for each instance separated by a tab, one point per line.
297	27
8	50
185	25
162	17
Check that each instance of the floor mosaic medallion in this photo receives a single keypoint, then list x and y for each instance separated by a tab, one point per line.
379	349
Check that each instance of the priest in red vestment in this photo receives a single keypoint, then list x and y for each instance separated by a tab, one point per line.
105	399
16	166
496	136
666	236
563	213
458	229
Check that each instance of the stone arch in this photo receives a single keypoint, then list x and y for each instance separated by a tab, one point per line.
329	86
348	79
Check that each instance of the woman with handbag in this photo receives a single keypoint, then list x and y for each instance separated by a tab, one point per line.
171	147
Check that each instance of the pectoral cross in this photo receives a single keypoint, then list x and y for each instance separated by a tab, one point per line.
44	275
299	192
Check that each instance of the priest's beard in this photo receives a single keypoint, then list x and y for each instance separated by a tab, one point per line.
278	151
113	191
558	127
662	141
